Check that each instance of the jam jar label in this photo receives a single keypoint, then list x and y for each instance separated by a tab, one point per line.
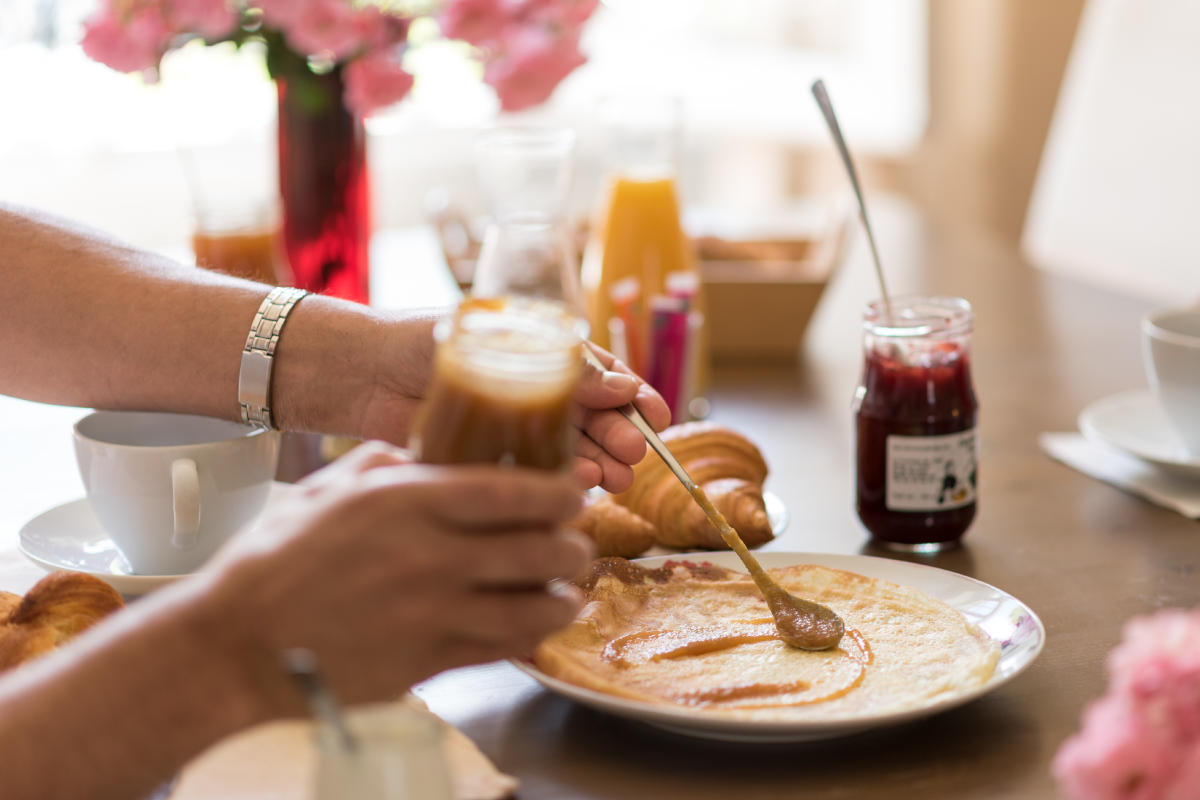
931	473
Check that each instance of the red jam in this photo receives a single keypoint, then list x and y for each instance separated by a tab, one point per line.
916	413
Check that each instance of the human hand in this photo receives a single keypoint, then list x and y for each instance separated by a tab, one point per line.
608	444
391	571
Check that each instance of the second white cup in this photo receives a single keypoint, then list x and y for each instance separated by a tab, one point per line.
172	488
1171	355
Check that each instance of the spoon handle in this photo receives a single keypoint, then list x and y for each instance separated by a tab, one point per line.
822	97
301	664
633	415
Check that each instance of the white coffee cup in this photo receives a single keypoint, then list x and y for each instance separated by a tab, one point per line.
1171	354
172	488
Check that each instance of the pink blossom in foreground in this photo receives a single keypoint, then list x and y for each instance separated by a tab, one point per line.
1141	740
374	81
531	65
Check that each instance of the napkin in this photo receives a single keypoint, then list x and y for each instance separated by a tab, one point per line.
1124	471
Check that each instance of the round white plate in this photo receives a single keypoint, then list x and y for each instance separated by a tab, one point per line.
1134	423
69	537
1011	623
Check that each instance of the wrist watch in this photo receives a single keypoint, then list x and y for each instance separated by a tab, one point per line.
258	357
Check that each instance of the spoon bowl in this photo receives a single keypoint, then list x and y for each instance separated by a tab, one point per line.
801	623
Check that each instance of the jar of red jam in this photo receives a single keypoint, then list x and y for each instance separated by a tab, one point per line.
915	417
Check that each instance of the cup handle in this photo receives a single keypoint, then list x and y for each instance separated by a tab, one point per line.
185	497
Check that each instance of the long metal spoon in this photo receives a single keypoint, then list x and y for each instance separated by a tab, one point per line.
822	97
301	664
801	623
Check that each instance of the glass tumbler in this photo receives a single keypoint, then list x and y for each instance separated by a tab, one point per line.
397	756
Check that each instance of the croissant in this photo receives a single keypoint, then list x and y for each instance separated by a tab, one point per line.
616	530
725	464
58	607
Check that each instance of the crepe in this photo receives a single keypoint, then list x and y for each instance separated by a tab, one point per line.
699	636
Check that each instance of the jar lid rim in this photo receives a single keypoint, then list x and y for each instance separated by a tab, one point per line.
914	316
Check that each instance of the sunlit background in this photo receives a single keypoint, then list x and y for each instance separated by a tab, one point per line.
945	102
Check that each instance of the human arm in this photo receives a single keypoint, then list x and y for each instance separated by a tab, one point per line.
388	572
89	321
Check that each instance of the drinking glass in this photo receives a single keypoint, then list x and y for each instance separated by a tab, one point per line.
397	755
525	178
509	359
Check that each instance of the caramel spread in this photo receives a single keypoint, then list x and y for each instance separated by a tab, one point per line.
699	636
644	646
801	623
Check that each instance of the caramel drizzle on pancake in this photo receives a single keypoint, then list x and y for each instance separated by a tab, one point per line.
644	646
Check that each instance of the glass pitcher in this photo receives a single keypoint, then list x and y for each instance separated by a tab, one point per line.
525	178
509	359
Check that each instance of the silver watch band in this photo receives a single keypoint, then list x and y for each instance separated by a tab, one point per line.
258	357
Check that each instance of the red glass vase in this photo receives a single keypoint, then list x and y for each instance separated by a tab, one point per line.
324	186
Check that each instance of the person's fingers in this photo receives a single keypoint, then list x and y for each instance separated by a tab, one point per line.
479	496
616	435
606	388
587	472
366	456
653	407
605	471
526	558
517	616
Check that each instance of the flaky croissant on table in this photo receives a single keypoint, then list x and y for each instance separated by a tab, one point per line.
657	509
57	608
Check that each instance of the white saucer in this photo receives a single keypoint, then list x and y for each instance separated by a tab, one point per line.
69	537
1134	423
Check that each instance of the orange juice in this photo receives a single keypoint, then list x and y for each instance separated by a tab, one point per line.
639	235
247	253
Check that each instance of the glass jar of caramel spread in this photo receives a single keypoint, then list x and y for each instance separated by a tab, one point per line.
505	374
916	416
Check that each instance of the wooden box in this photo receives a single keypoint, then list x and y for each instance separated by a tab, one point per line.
760	293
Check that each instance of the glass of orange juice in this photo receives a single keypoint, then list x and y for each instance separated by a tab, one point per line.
235	208
638	251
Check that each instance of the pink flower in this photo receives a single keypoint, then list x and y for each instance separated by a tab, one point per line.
283	15
1186	785
374	81
128	39
477	22
377	29
532	63
211	19
566	14
326	28
1114	757
1141	740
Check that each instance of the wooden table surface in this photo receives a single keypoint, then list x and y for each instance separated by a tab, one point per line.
1084	555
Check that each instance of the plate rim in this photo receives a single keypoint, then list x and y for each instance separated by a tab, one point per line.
695	724
124	582
1086	421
